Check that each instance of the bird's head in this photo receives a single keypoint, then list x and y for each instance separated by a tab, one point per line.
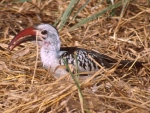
44	32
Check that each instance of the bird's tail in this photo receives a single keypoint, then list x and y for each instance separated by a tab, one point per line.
129	63
109	62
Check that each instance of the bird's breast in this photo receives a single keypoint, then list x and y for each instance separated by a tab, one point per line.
49	58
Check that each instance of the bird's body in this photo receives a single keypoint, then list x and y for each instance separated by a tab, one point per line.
74	56
53	56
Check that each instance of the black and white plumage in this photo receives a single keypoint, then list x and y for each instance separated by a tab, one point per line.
52	55
81	55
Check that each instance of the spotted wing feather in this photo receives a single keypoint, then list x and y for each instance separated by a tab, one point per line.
87	64
71	54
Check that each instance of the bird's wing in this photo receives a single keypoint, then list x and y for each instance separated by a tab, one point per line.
85	63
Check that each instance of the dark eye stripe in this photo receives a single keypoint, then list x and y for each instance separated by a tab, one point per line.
44	32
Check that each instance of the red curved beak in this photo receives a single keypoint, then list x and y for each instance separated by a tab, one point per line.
19	38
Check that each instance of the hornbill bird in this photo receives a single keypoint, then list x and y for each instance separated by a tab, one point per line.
53	56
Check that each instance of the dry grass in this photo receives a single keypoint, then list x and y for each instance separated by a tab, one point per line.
126	35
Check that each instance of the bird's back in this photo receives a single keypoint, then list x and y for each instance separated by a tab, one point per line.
80	56
86	59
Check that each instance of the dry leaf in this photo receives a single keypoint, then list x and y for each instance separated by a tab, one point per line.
3	66
4	45
21	53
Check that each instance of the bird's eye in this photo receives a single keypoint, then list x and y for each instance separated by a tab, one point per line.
44	32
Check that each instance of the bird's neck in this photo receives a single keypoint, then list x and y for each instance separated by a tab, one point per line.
50	58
